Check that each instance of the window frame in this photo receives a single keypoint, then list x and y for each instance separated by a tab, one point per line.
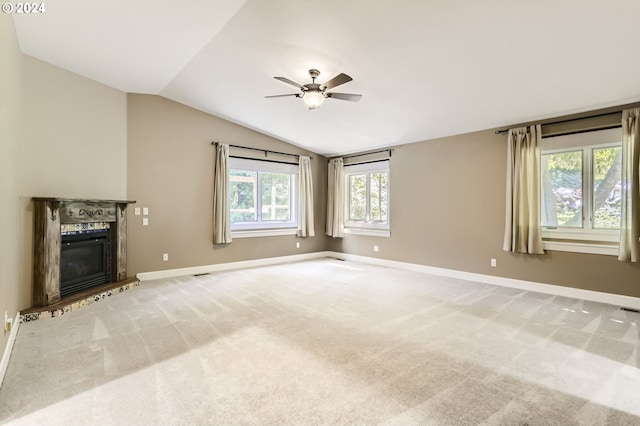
259	227
585	239
367	226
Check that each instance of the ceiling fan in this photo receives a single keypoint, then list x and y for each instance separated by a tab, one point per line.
313	94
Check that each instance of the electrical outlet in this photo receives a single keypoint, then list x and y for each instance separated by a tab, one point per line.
493	263
165	257
136	211
376	249
145	211
298	244
145	221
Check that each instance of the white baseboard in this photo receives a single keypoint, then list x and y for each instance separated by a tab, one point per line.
556	290
4	364
205	269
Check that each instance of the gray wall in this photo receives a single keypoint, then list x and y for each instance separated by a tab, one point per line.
447	210
10	114
170	171
73	144
61	135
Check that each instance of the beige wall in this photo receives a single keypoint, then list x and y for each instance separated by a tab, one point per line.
170	171
447	210
73	144
10	112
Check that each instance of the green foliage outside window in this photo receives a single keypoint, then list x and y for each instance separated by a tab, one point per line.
562	188
275	196
242	189
276	193
373	207
358	197
378	210
607	201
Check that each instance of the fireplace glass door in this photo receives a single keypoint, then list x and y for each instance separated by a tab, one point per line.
84	262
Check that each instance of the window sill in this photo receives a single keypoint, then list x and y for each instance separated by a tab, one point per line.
581	247
578	235
263	233
370	232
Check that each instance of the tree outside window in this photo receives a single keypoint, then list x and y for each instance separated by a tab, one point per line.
580	189
367	192
262	195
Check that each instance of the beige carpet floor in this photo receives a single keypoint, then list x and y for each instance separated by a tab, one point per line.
327	342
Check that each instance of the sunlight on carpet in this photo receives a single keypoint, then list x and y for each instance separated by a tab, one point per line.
327	342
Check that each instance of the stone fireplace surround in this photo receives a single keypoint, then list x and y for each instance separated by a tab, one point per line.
49	216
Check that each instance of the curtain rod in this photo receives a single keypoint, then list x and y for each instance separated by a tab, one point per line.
264	159
389	150
266	151
569	120
365	162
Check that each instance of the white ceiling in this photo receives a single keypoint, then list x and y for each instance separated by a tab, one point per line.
425	68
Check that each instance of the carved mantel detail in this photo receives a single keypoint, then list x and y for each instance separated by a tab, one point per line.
49	214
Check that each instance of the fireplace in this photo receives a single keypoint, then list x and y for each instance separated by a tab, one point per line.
84	262
78	244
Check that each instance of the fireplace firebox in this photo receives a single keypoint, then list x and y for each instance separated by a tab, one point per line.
84	262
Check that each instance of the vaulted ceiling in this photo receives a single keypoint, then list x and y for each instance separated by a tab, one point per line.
425	68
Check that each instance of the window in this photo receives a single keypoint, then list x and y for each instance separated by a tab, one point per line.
262	196
367	193
580	186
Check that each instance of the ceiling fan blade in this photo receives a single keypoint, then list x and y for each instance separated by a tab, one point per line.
337	81
344	96
291	82
297	95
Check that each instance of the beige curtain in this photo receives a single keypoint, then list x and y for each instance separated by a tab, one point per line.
522	232
630	187
221	212
335	199
305	198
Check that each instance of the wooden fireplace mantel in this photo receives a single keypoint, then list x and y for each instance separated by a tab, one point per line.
49	214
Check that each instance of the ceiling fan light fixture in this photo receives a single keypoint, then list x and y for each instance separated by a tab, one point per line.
313	98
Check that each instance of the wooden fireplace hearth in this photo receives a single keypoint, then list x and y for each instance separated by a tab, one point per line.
49	215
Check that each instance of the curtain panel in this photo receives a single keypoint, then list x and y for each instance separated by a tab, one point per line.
335	199
305	197
630	187
221	208
523	232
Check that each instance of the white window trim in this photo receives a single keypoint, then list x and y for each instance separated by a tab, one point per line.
585	239
267	228
579	234
263	233
575	247
249	226
370	228
368	232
